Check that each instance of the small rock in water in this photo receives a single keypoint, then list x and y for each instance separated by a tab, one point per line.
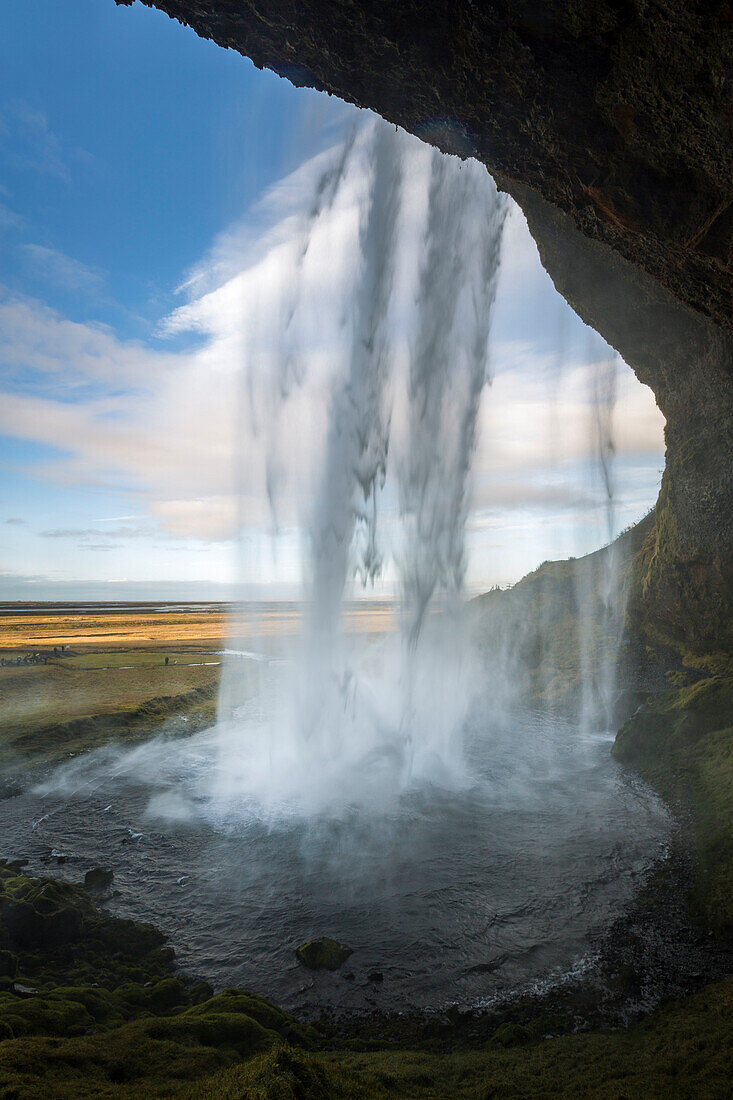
98	879
131	837
323	954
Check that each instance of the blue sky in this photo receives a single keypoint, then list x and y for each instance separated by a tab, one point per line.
135	156
127	144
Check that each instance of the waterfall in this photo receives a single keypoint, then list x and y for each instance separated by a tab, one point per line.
447	374
604	591
357	724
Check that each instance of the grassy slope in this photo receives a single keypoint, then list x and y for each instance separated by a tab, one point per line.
551	631
679	1052
48	712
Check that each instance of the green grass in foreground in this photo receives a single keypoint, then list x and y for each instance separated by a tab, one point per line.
229	1051
681	1051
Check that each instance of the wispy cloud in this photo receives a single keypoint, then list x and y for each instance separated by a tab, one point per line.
9	219
32	144
67	354
94	533
59	269
100	546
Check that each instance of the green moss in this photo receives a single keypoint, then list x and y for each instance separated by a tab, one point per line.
510	1035
267	1015
122	1062
681	601
323	954
683	1050
286	1074
682	742
98	1010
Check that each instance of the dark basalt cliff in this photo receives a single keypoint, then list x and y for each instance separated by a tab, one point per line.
611	123
619	112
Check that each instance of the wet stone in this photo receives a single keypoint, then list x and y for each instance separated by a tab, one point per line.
98	880
323	954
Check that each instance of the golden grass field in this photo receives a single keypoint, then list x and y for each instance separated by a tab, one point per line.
35	627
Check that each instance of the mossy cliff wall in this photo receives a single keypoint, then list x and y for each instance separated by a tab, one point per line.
611	123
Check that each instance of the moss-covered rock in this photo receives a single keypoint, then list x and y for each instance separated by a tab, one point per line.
323	954
681	740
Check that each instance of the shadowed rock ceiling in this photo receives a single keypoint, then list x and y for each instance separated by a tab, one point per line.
619	112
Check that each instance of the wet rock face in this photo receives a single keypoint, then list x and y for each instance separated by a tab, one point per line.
618	113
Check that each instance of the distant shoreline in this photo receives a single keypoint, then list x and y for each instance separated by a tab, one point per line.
29	607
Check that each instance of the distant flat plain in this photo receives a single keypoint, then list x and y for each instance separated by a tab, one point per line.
76	675
40	626
28	627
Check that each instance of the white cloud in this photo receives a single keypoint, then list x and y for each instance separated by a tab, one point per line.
36	339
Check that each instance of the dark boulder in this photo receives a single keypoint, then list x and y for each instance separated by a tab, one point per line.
98	880
323	954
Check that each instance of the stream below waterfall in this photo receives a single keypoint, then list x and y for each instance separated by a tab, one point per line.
453	897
